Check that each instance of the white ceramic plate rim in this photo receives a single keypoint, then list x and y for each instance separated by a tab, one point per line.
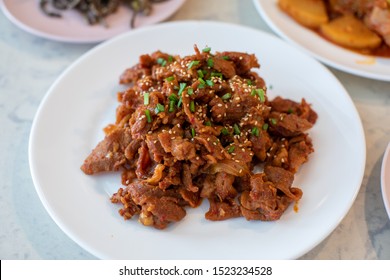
73	28
385	179
328	53
68	125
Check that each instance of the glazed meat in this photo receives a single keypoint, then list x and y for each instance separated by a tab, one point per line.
195	127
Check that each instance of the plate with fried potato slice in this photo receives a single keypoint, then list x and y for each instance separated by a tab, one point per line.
300	22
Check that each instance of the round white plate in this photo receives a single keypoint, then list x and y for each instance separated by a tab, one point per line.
316	46
82	101
385	179
73	27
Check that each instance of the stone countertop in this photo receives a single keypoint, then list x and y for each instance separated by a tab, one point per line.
29	65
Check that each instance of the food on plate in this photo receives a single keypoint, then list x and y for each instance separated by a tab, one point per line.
95	11
350	32
360	25
198	127
310	13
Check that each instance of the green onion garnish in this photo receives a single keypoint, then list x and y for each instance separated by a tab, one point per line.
209	83
200	73
159	108
231	149
171	106
249	82
201	81
226	96
146	98
236	129
253	92
173	97
216	74
273	121
193	63
260	92
224	131
182	87
190	91
208	123
255	131
265	126
225	57
170	58
193	132
179	102
208	49
170	79
161	61
148	116
192	106
210	62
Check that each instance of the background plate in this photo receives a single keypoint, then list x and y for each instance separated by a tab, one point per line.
73	28
313	44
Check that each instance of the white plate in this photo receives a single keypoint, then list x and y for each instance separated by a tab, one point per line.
82	101
385	179
321	49
73	28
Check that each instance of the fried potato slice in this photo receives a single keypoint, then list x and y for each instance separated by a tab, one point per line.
350	32
310	13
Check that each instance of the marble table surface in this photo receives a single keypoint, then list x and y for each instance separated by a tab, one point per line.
29	65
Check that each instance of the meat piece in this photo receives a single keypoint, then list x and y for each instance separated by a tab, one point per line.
222	210
288	124
109	153
243	62
159	207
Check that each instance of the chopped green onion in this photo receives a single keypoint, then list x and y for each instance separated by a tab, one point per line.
200	73
290	110
225	57
193	132
210	62
146	98
208	123
171	106
224	131
253	92
255	131
249	82
260	92
265	126
173	97
190	91
201	86
161	61
148	116
170	58
236	129
192	106
201	81
231	149
209	83
182	87
170	79
216	74
159	108
273	121
208	49
193	63
226	96
179	102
